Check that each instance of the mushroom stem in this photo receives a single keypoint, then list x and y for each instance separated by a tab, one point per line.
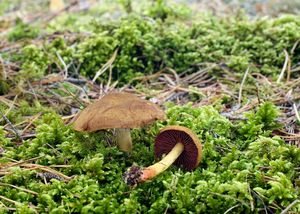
123	139
157	168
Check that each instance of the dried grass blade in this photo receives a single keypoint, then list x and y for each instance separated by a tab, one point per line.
287	58
242	84
105	66
19	188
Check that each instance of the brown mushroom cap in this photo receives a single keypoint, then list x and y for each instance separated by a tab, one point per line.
117	110
170	136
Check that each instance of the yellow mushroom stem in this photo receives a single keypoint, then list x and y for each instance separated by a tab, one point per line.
123	139
157	168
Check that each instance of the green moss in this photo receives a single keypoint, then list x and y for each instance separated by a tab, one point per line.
230	174
219	41
260	123
22	31
4	87
34	63
244	168
145	46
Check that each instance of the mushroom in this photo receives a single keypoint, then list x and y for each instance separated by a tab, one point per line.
119	111
179	145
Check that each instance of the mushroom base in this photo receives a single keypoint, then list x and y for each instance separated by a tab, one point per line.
132	176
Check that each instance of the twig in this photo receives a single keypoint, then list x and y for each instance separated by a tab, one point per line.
230	197
76	81
31	122
166	210
32	89
241	87
17	163
258	196
231	208
3	205
27	136
169	80
105	66
287	58
3	74
288	71
64	64
12	126
61	166
146	78
296	112
109	77
9	200
47	169
175	74
19	188
290	206
73	95
11	105
16	202
295	46
47	20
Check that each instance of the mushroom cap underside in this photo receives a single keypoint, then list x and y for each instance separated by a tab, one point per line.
168	137
117	110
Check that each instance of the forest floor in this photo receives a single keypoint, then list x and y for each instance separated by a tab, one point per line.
228	70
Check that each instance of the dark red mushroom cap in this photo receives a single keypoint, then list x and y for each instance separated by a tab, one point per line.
170	136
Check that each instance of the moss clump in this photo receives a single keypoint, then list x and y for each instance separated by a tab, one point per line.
34	63
231	174
258	43
22	31
4	87
145	46
148	46
51	57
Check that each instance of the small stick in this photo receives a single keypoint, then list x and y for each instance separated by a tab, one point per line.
47	20
17	163
32	89
61	166
75	81
20	188
3	205
64	64
295	46
288	71
230	197
12	126
73	95
257	93
105	66
169	80
231	208
109	77
11	105
9	200
31	122
3	74
175	74
47	169
290	206
296	112
149	77
241	88
287	58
